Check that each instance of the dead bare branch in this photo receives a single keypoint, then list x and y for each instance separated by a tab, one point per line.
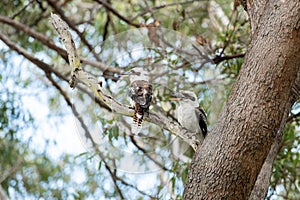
82	76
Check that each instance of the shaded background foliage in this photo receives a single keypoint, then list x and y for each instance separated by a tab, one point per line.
28	167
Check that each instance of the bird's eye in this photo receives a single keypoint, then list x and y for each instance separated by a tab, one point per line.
192	98
188	96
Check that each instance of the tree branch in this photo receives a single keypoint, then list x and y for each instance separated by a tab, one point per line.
22	9
209	81
134	187
87	133
69	103
45	67
105	32
218	59
160	7
29	31
80	75
3	195
72	25
292	117
147	154
45	40
114	178
228	33
11	170
263	180
115	12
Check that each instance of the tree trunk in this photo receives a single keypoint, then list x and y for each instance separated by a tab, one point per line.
262	183
231	157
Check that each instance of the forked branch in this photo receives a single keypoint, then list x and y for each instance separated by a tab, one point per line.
77	74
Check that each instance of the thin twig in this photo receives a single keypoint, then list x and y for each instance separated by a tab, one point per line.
22	9
5	174
87	132
105	32
292	117
72	25
231	34
115	12
47	68
218	59
209	81
127	130
114	178
69	103
134	187
46	41
160	7
147	154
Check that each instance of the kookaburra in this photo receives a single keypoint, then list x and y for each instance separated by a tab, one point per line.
140	93
190	115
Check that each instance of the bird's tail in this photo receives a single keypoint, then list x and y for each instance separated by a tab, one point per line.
137	119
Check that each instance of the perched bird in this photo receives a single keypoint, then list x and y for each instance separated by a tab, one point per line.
190	115
140	93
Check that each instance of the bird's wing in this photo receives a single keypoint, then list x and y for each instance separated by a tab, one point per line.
148	95
202	120
136	126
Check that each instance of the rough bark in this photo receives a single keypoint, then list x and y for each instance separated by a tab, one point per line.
230	159
262	183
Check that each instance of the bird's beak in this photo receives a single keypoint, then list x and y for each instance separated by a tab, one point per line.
175	97
125	74
128	73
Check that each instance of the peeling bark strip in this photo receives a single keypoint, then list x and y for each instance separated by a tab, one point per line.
231	157
63	30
